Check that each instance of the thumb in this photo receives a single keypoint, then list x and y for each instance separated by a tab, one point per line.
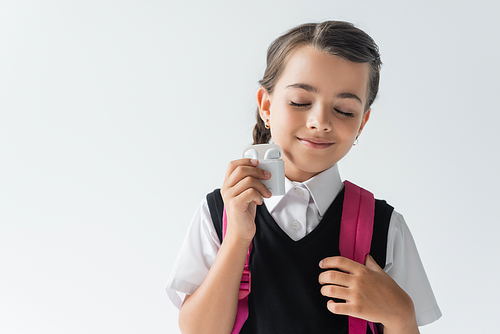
370	263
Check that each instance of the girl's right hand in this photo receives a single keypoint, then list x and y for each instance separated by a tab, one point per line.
242	192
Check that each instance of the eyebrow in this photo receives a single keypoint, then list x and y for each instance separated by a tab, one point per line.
312	89
303	86
349	96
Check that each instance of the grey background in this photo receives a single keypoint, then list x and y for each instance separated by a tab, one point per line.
117	117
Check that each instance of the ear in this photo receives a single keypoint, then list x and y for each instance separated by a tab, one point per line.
366	117
264	103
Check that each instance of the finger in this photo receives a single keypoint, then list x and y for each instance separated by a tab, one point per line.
243	178
247	196
244	184
335	277
342	308
370	263
242	201
340	262
335	291
239	162
243	171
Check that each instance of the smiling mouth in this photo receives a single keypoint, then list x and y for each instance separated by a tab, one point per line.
315	143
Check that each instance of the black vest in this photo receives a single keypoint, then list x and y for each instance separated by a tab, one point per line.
285	294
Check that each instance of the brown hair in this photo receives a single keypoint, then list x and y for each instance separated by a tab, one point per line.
341	39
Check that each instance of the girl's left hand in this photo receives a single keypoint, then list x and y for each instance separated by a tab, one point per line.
369	293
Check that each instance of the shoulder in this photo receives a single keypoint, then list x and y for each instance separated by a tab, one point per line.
405	267
215	206
197	253
202	222
383	209
399	232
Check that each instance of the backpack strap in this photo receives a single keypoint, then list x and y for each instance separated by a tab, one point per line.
245	285
218	214
356	229
216	207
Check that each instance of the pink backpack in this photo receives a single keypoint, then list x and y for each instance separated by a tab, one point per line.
356	229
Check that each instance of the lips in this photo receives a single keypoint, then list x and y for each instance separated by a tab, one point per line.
316	143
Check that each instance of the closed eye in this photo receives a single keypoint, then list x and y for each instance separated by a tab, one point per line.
346	114
299	105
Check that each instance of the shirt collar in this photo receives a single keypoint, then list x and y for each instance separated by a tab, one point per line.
323	188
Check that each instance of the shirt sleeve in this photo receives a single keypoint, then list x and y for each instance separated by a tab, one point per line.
195	258
403	264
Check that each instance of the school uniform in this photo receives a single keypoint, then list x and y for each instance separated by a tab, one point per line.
293	220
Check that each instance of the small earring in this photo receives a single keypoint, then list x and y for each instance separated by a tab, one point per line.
355	142
266	124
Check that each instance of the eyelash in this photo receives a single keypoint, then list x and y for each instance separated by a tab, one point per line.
346	114
301	105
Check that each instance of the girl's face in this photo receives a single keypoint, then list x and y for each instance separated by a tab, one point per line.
316	110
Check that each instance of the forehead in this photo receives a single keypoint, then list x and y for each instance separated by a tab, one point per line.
327	73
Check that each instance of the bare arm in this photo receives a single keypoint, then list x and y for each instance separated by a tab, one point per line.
212	307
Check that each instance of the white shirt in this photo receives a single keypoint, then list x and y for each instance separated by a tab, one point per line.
298	212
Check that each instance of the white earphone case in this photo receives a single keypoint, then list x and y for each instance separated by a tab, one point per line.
270	159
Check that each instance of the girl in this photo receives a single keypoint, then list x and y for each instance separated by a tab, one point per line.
314	102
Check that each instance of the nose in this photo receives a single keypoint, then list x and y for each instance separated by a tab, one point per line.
319	119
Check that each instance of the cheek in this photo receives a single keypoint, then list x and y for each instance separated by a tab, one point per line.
348	128
283	121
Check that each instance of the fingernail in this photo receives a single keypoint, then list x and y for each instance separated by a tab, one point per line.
321	263
267	173
254	161
269	192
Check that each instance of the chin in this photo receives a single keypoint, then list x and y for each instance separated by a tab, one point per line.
311	165
308	169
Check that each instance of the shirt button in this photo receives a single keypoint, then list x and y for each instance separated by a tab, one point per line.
299	191
295	225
